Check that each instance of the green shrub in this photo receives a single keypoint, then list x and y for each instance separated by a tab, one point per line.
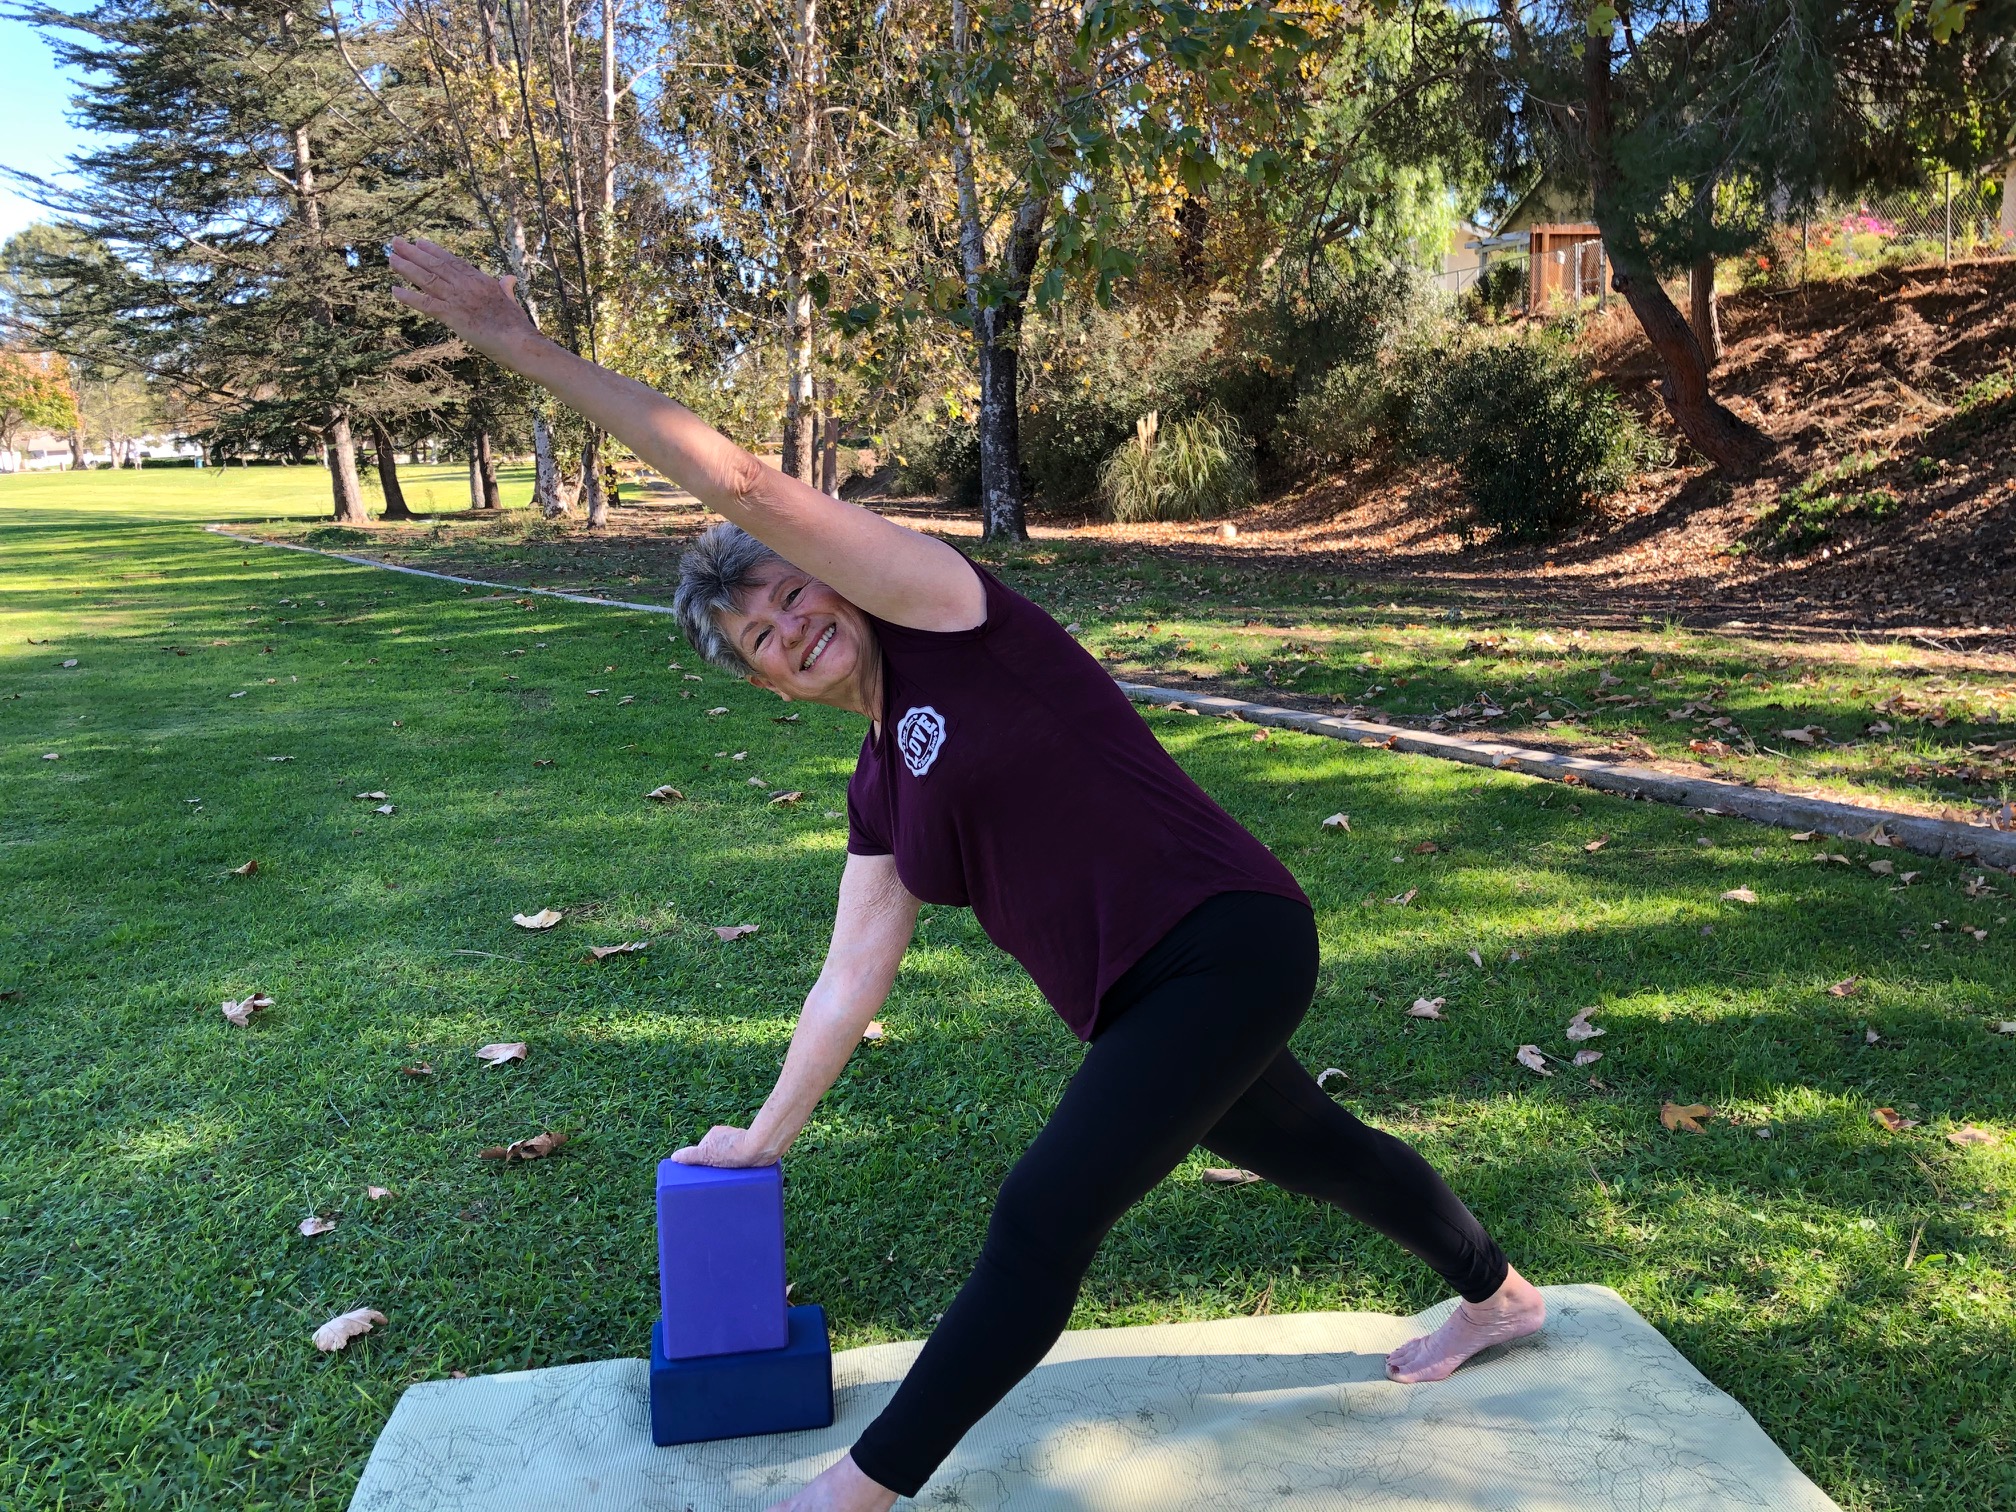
336	535
1191	468
1812	513
1534	441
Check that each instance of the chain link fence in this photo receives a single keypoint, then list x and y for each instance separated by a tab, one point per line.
1956	217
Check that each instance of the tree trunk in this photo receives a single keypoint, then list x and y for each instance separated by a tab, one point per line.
388	473
77	450
1731	443
592	494
546	490
1000	330
486	468
475	482
342	451
1706	314
829	445
799	419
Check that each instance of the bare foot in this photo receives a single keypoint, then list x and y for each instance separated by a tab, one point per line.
1515	1310
841	1488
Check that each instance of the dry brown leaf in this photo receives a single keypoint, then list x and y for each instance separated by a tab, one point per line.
1587	1057
383	808
1806	835
538	1147
1686	1116
785	798
1227	1176
1338	822
1833	856
1533	1058
543	762
1426	848
1598	843
666	794
758	782
240	1013
1892	1120
712	712
1403	899
377	1193
1739	895
1259	734
1876	836
424	1068
603	952
1907	878
500	1054
340	1330
734	931
1427	1008
1973	1134
1979	934
374	796
248	869
2005	1026
783	719
311	1226
1330	1071
874	1031
1579	1027
1804	734
1846	987
546	918
1476	956
1870	1037
1883	868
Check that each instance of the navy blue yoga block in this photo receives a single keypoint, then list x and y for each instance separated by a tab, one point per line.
758	1391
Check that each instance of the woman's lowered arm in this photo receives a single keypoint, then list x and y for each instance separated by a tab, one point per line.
894	573
871	930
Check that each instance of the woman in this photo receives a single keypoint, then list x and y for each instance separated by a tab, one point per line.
1003	770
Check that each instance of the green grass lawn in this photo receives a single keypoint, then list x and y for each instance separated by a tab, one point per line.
1850	1285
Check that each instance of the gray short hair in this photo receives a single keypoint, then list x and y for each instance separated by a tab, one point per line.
717	569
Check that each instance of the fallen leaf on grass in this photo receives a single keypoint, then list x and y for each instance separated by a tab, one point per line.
538	1147
1877	836
340	1330
783	719
1338	822
734	931
758	782
603	952
1883	868
1403	899
546	918
1427	1008
1979	934
1686	1116
246	870
1805	734
1739	895
667	794
712	712
1533	1058
1806	835
423	1068
627	698
52	755
1476	956
377	1193
1259	735
874	1030
71	663
383	808
785	798
1579	1027
375	797
310	1227
545	763
2005	1027
1426	848
1907	878
1330	1071
240	1013
1227	1176
1846	987
1833	856
1587	1057
497	1055
1892	1120
1598	843
1973	1134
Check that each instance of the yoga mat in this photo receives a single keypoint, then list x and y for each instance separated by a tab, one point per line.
1597	1413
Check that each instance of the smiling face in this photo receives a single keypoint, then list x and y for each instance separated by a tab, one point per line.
803	640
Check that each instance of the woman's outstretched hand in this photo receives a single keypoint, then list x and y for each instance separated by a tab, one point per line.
726	1145
480	309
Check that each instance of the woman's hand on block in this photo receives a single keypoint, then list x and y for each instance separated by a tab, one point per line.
726	1145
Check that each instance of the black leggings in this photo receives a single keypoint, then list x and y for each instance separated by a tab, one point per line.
1192	1050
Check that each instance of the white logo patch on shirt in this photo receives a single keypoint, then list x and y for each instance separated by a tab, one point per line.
920	734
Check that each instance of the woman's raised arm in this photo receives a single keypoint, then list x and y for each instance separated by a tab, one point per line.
894	573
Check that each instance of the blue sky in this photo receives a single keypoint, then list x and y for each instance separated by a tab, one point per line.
34	99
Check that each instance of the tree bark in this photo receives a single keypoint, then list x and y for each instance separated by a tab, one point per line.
343	485
1705	315
388	473
829	444
547	491
592	494
1731	443
486	469
799	418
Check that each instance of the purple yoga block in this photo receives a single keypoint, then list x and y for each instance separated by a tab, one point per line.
721	1259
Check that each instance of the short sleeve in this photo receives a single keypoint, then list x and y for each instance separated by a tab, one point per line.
863	837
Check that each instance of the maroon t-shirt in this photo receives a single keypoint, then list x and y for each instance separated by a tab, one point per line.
1013	777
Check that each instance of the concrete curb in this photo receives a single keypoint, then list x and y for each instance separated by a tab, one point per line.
1931	837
